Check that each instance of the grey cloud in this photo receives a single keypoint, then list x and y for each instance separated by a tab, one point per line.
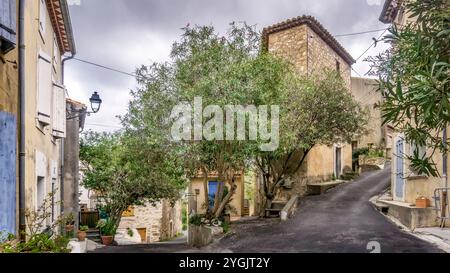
127	33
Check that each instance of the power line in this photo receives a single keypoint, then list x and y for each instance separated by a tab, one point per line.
340	35
103	125
106	67
374	43
359	33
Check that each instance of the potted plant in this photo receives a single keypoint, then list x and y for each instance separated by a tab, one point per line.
82	233
69	222
107	231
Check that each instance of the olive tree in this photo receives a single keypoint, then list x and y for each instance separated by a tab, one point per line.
414	78
317	110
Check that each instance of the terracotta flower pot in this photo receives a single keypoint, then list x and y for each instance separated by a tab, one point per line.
81	235
69	228
107	240
422	203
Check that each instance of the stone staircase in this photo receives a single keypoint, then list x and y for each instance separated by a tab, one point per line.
246	212
275	209
94	235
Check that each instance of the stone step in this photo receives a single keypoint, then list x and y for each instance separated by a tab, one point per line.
278	205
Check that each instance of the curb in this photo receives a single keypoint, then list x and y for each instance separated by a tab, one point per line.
430	238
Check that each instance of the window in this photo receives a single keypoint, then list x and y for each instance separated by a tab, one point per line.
420	150
59	111
338	66
7	25
44	94
42	18
129	212
41	174
40	192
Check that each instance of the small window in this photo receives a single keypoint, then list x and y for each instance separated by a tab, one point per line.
421	152
40	193
129	212
338	66
419	149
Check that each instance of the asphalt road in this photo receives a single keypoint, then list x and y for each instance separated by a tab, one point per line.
341	220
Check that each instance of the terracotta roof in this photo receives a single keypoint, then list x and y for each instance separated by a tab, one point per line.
316	27
390	10
59	15
77	103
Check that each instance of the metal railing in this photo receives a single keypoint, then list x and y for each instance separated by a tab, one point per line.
441	201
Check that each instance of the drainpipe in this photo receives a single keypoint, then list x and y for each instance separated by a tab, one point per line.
22	151
444	157
62	169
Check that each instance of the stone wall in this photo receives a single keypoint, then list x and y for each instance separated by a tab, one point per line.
291	44
161	221
365	92
311	55
321	56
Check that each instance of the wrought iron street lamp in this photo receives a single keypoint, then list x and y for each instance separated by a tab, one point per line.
96	103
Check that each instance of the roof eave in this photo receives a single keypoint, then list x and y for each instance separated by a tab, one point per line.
312	23
68	26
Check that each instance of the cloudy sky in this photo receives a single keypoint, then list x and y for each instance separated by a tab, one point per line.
123	34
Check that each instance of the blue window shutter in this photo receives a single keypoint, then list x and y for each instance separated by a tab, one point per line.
8	12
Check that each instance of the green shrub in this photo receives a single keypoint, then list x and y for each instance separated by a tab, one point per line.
130	232
84	228
106	227
226	227
196	220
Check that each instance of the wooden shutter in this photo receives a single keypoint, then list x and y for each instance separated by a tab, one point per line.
55	55
59	111
8	17
42	18
44	96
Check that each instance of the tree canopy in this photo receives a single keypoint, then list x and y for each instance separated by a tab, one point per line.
414	76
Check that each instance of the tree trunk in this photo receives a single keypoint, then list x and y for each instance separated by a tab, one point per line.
225	201
205	190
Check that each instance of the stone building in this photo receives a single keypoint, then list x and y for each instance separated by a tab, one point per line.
153	223
9	117
76	116
406	185
149	223
197	195
379	135
311	48
35	121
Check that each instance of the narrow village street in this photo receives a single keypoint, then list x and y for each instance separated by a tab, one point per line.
341	220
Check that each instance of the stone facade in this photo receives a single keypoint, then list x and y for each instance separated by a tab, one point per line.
197	196
406	185
46	34
311	49
364	90
9	116
158	222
